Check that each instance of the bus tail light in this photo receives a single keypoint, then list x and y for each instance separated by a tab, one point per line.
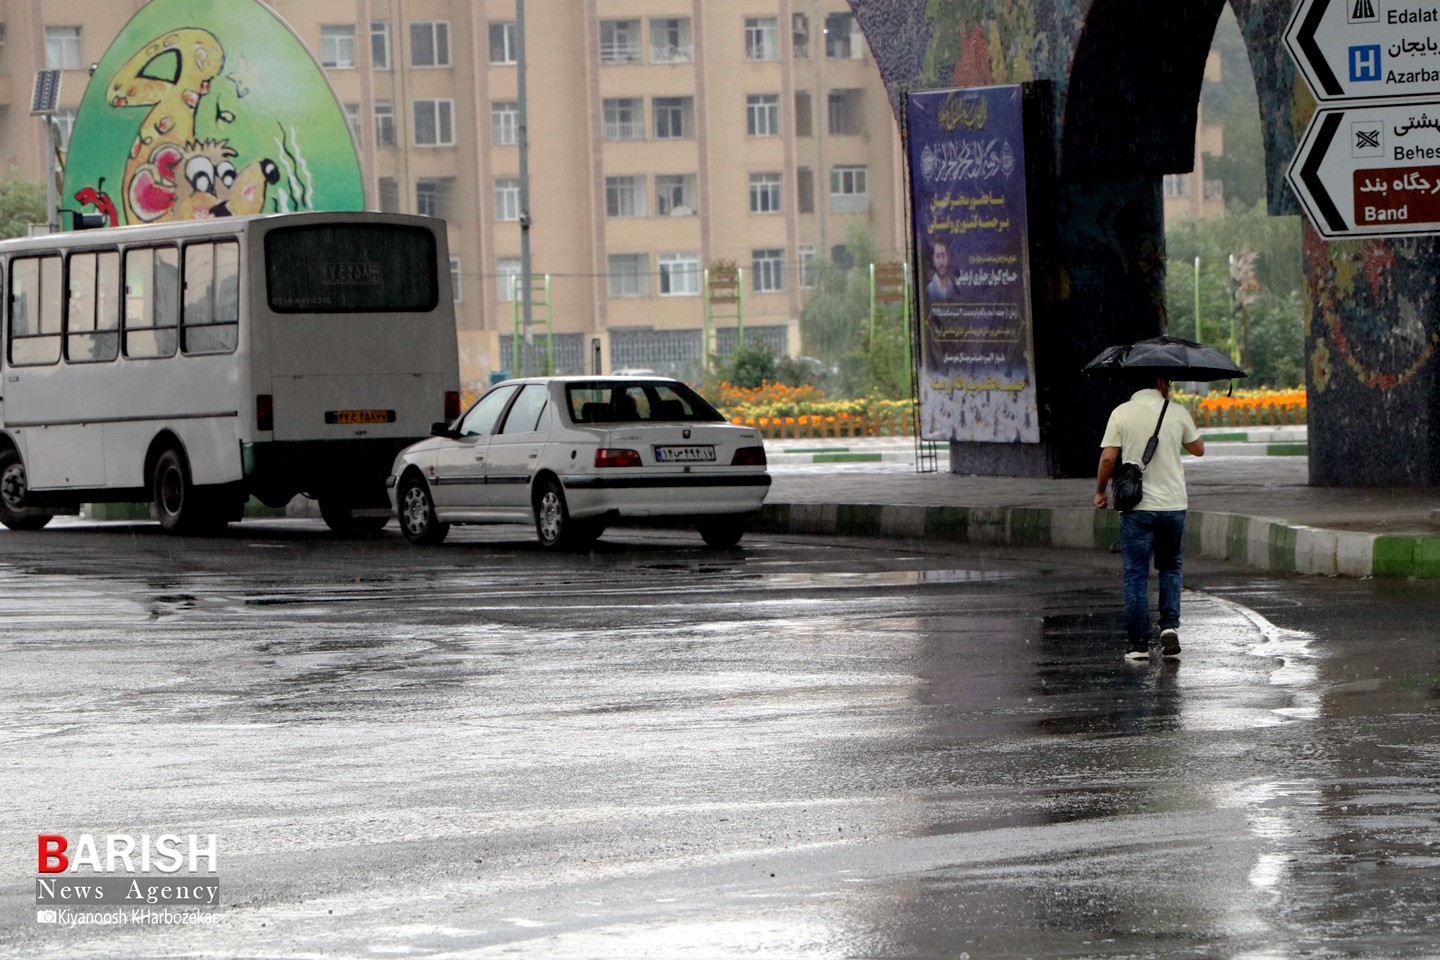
748	457
611	457
452	406
264	412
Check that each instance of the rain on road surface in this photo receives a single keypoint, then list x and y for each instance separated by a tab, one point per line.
800	748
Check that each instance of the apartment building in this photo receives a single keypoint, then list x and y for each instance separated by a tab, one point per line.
665	136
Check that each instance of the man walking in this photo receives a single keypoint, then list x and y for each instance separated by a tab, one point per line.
1155	529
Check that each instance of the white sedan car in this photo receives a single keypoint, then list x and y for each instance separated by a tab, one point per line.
576	454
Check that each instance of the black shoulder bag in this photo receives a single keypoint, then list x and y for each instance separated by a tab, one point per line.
1126	483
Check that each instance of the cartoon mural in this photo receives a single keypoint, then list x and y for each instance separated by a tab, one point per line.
206	108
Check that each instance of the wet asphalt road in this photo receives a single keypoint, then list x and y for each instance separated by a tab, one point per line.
800	748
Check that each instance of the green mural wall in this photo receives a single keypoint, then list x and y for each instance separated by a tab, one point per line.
204	108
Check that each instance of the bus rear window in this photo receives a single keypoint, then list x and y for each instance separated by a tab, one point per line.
351	268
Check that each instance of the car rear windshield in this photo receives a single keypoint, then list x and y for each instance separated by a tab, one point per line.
351	268
631	401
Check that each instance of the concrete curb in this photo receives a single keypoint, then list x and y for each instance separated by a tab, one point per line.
1273	545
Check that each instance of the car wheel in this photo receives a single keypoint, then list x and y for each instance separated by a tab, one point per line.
552	519
417	512
181	507
13	488
722	533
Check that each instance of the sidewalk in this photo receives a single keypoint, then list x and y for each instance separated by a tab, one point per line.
1253	509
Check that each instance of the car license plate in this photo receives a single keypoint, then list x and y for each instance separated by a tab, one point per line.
699	453
359	416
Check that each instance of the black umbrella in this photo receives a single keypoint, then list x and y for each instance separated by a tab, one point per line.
1169	358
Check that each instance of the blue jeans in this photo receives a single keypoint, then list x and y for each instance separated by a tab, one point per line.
1147	535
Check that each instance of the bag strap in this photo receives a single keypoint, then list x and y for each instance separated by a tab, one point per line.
1150	446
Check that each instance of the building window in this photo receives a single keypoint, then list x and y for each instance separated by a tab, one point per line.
807	266
844	113
672	117
507	198
455	279
624	196
800	36
387	194
380	44
64	48
848	190
839	44
352	119
760	38
620	41
430	43
767	267
507	278
504	47
675	195
764	193
805	190
384	123
629	276
337	46
505	122
679	274
624	119
670	40
428	200
762	114
1177	184
433	123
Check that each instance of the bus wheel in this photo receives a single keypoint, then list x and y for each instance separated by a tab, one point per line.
181	507
336	512
417	512
722	533
12	495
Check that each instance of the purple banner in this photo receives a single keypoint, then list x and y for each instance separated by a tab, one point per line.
967	181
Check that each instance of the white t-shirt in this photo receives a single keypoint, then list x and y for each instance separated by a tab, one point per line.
1130	427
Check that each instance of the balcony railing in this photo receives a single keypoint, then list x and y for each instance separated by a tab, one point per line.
624	130
620	52
672	54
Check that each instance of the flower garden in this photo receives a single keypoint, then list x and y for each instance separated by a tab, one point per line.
805	412
1247	408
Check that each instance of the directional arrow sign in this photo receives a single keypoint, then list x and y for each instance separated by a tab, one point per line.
1371	171
1367	49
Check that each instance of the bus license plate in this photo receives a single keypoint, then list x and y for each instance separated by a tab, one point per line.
359	416
703	453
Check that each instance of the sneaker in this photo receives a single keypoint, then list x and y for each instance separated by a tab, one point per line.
1139	650
1170	642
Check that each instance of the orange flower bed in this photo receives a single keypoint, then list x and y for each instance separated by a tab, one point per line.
1249	408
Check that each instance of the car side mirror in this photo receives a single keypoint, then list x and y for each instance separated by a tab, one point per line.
442	429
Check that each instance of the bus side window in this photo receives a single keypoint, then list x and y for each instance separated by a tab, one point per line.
210	323
35	292
92	324
152	299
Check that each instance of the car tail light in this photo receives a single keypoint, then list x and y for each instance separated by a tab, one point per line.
452	406
608	457
748	457
264	411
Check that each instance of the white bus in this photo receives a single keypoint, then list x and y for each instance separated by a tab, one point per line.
196	364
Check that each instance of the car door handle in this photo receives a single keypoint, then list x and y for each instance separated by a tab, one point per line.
479	457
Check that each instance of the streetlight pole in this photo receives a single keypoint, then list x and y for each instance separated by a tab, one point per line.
526	307
1197	298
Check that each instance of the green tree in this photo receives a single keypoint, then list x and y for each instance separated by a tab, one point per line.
1267	331
22	202
748	366
837	310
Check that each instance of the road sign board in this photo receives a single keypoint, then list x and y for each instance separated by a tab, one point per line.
1371	170
1367	49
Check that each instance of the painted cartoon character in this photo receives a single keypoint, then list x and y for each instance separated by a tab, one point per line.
198	180
170	74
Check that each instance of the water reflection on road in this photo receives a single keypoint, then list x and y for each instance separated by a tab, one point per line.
799	748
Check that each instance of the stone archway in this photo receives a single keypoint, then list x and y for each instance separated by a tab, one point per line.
1125	77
